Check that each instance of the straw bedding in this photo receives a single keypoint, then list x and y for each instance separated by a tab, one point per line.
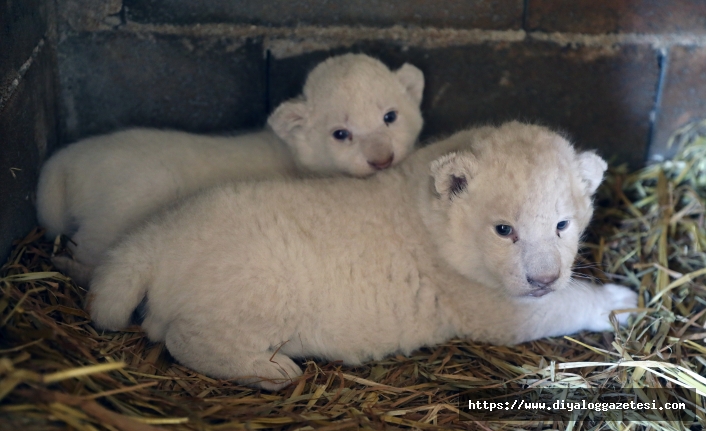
57	372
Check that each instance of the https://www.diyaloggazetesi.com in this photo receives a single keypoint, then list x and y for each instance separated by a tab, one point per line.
570	406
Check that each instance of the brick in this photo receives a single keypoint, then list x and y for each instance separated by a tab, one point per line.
683	97
27	133
601	97
112	80
499	15
617	16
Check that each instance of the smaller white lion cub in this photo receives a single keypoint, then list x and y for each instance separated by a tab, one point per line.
355	117
473	236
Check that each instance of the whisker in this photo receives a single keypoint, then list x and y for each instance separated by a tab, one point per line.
582	277
586	265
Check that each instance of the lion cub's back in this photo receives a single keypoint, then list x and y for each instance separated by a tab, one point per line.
278	244
298	228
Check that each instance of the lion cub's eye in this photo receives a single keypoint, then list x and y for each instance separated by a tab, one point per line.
341	134
562	225
390	117
503	229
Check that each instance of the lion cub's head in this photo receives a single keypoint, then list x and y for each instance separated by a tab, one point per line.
508	209
355	116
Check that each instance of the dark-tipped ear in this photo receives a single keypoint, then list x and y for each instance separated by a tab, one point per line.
591	169
288	119
413	81
452	172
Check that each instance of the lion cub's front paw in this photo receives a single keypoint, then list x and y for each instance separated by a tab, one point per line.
615	297
271	372
621	297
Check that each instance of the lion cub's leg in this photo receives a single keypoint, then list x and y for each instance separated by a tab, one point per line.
87	245
229	353
578	307
79	273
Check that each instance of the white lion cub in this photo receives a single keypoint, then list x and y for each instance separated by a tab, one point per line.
355	117
473	236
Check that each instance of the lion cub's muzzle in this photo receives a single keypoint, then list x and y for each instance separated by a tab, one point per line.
384	164
378	150
541	285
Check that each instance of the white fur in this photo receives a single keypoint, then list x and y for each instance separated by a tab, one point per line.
98	188
244	276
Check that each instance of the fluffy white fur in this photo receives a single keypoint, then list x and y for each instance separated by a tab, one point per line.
243	277
98	188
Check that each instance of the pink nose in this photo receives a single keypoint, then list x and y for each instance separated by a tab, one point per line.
542	281
382	165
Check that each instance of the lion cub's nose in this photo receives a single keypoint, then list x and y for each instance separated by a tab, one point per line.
384	164
542	281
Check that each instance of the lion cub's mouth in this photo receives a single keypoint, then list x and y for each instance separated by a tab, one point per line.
537	293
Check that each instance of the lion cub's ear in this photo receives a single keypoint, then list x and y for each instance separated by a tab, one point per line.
452	172
288	119
413	81
591	169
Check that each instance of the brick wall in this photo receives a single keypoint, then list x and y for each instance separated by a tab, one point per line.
618	75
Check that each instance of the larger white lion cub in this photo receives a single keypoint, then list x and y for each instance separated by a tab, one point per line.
354	117
473	236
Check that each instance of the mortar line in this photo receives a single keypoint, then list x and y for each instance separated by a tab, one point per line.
10	90
282	40
268	81
663	60
525	14
123	15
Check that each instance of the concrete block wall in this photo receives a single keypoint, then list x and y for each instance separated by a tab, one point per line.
618	75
